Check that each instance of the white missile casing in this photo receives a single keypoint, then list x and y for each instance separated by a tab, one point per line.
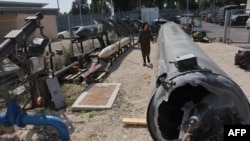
111	49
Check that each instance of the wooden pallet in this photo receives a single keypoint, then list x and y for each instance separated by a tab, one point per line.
66	78
101	76
73	77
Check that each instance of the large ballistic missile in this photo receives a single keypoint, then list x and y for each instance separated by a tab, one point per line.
192	97
111	49
89	30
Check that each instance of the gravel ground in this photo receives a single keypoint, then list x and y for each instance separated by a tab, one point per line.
224	55
131	101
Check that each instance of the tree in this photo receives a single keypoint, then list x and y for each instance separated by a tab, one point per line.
204	4
99	6
77	4
124	5
192	5
160	3
149	3
171	4
74	9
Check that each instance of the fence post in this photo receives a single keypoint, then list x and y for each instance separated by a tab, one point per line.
226	21
71	44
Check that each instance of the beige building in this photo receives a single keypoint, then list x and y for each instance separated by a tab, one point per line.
13	15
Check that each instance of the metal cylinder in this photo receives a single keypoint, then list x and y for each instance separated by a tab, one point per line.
113	48
186	84
89	30
44	120
62	71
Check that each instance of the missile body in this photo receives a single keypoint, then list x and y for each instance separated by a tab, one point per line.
89	30
111	49
192	98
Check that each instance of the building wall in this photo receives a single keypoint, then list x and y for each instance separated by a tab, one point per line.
48	22
7	23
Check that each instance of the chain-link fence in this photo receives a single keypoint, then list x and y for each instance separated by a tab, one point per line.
64	21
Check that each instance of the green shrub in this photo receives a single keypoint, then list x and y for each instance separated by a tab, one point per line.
67	53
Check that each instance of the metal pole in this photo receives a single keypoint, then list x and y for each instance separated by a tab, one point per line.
71	42
58	6
62	71
249	37
226	21
80	9
98	7
112	9
214	7
187	5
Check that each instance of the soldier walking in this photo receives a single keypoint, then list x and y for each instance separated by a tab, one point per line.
145	37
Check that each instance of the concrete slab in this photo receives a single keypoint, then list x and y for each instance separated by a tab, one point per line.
97	96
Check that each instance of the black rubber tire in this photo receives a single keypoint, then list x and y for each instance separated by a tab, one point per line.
60	37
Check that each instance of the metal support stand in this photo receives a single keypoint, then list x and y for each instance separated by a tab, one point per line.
249	37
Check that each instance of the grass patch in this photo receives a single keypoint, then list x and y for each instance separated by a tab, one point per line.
71	92
67	53
92	114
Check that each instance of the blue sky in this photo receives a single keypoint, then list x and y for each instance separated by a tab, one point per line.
65	5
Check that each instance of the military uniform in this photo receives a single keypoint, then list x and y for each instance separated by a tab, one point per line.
145	37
